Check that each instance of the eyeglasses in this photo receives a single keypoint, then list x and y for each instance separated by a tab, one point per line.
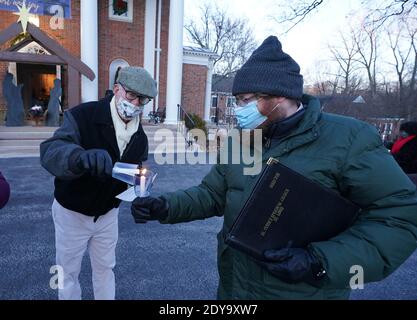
242	101
130	95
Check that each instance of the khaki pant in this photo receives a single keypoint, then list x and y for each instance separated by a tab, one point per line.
74	234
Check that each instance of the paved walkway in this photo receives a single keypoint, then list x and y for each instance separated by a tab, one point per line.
153	261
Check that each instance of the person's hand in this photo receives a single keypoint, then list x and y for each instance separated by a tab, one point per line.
149	208
95	161
294	265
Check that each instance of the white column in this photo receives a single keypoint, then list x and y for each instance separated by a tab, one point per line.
149	47
175	60
207	106
89	48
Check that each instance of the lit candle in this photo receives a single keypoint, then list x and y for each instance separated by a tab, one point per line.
143	184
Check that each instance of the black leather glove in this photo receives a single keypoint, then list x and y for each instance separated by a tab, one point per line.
149	208
294	265
95	161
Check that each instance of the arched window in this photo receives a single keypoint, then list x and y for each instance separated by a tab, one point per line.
114	66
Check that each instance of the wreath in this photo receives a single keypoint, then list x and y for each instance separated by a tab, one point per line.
120	7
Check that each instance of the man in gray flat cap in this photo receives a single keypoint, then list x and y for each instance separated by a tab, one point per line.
81	155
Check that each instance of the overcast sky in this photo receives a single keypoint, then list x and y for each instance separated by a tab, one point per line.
306	43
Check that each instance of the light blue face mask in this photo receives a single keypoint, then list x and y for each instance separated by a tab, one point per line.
249	117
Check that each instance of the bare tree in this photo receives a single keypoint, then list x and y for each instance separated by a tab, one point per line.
379	12
382	11
346	57
327	87
323	81
412	91
412	32
229	38
296	11
401	54
363	46
366	42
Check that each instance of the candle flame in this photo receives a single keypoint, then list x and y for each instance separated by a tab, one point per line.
143	171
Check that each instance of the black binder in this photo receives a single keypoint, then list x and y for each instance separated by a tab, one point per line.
286	207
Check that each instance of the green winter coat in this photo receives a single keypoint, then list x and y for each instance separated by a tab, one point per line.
340	153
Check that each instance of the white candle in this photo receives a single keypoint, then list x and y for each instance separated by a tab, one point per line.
142	186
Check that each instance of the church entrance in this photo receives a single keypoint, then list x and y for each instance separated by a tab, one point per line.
37	81
40	65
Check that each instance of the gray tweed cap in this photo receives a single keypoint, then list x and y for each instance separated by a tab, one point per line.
138	80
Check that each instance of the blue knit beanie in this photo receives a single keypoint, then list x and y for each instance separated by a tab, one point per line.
270	70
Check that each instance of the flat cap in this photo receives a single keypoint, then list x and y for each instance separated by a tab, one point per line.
138	80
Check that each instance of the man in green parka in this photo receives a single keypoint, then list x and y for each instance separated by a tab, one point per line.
338	152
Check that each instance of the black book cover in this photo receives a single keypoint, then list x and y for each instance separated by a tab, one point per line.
285	206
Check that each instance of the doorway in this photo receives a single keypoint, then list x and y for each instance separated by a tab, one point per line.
38	81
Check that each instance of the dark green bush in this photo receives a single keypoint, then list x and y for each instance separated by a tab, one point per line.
199	123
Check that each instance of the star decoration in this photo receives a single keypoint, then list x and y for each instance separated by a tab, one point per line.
24	15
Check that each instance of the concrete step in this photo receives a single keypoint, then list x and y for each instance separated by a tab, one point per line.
25	151
25	141
27	129
25	135
17	143
31	129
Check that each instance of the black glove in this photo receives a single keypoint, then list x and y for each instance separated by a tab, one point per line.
294	265
149	208
95	161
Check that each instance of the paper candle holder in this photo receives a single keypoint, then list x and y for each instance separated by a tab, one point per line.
144	182
141	178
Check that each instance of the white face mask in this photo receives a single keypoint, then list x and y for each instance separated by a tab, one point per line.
127	110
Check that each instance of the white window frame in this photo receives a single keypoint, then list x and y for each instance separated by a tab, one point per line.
113	68
129	17
214	98
231	100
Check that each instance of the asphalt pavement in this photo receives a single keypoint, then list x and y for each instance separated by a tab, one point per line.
158	262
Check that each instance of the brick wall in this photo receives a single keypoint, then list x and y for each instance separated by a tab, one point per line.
125	40
119	40
194	88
